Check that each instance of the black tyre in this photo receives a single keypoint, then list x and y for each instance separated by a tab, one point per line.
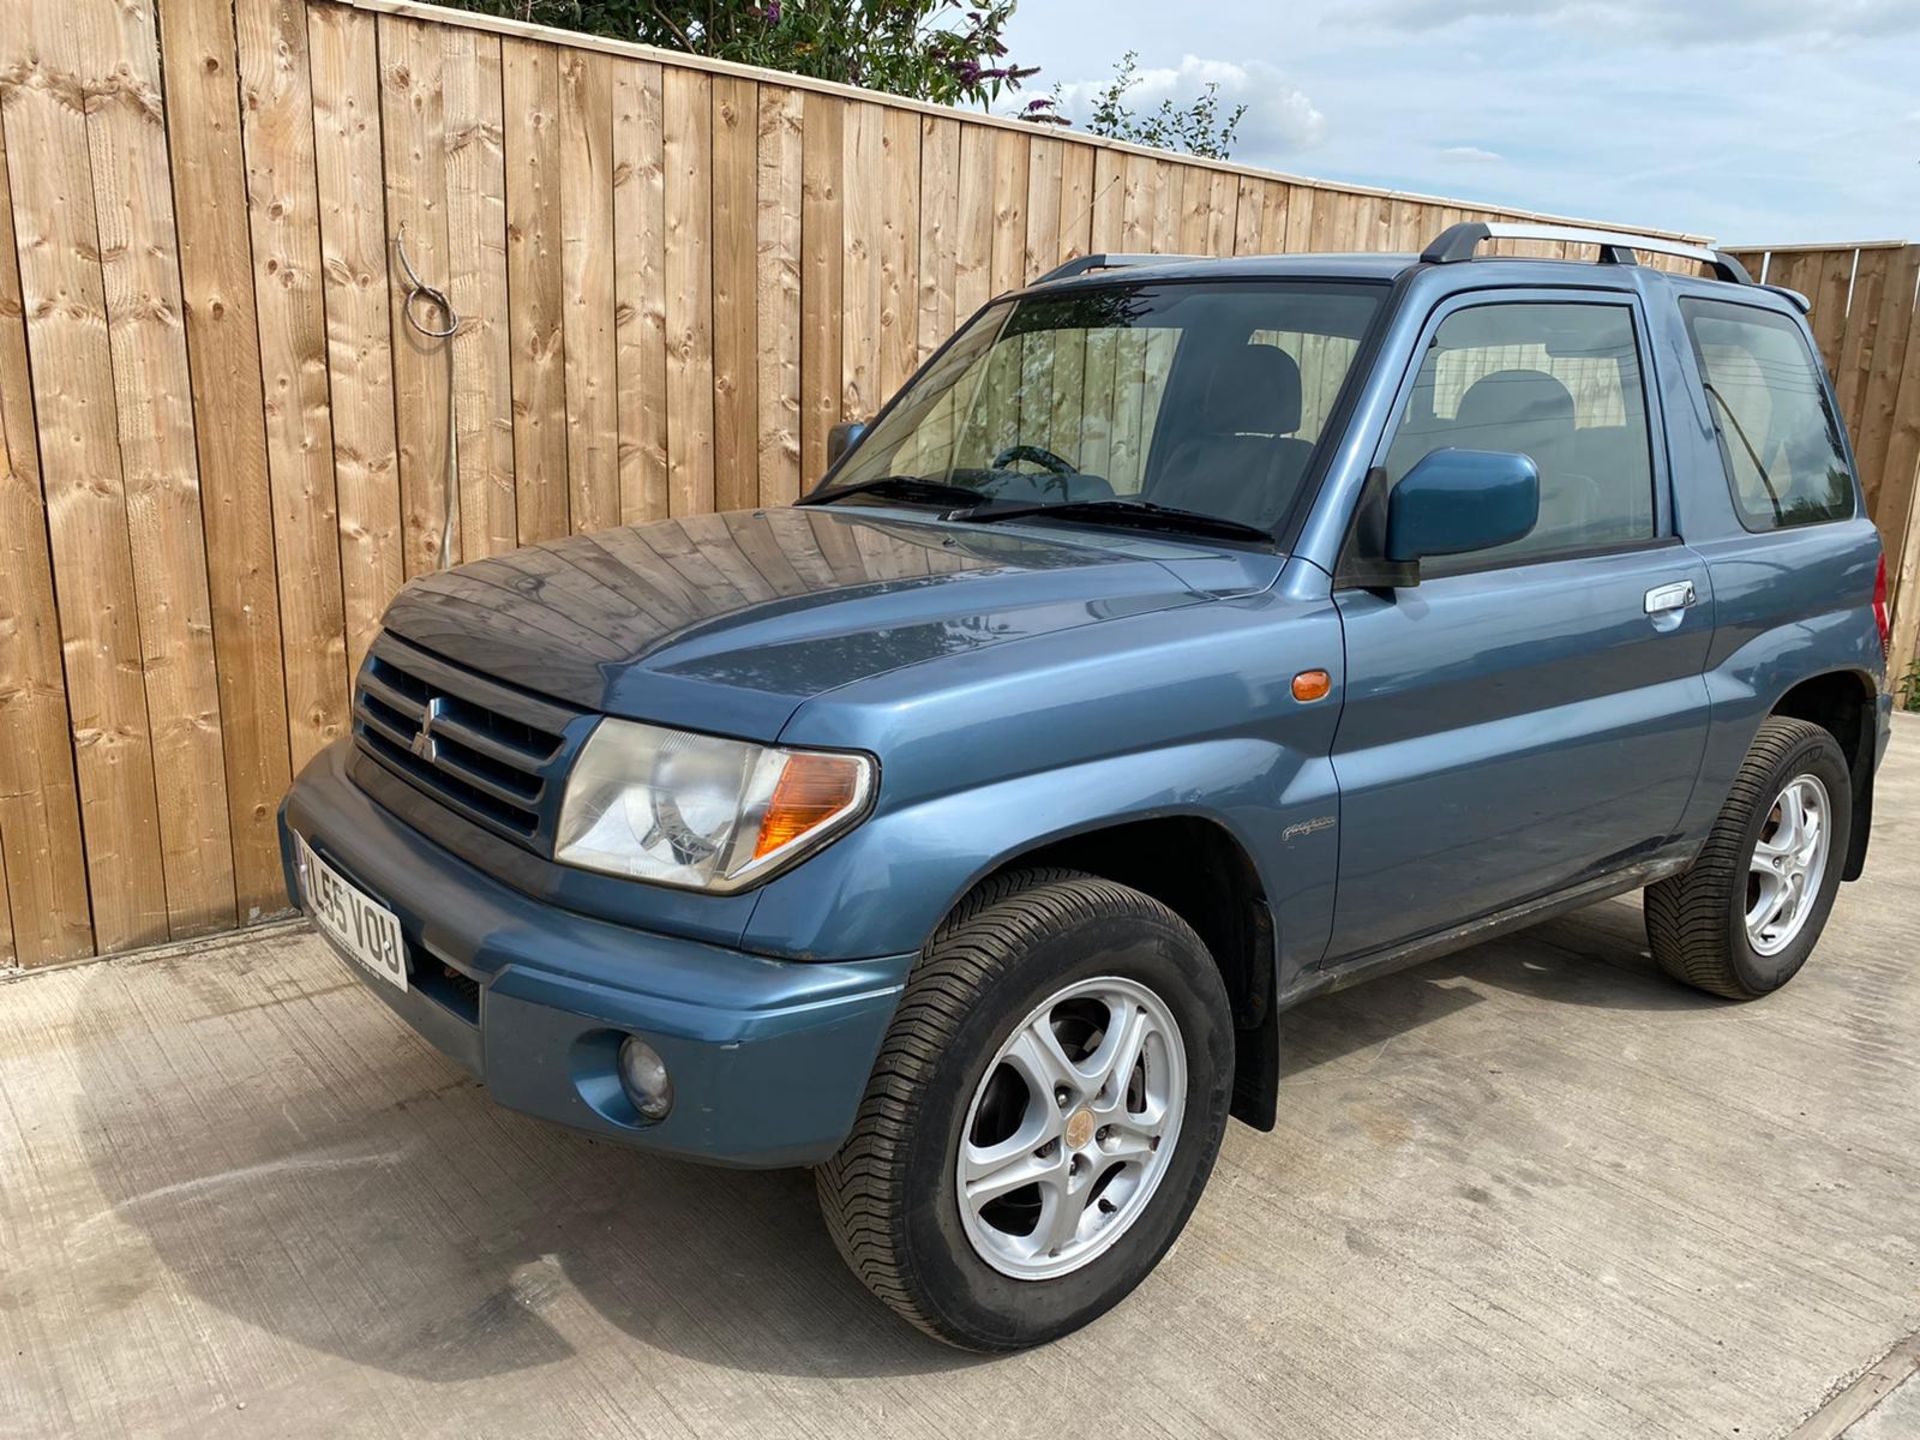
1068	1042
1744	917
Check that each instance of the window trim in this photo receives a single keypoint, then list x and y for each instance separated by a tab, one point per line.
1823	387
1665	530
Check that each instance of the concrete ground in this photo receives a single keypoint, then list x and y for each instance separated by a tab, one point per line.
1534	1189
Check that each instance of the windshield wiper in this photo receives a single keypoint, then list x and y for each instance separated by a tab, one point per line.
901	487
1141	514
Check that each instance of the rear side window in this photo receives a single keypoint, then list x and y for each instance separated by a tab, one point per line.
1559	382
1779	436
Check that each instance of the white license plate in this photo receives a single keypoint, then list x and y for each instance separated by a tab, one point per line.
366	930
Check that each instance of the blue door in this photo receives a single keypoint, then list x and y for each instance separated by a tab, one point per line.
1534	715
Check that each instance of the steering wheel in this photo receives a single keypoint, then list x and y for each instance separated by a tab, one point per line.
1036	454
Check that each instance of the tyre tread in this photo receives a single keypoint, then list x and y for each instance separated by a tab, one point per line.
862	1189
1688	929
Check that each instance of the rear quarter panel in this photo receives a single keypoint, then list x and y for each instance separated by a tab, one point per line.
1789	604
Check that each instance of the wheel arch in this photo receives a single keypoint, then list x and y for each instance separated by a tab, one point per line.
1198	868
1844	703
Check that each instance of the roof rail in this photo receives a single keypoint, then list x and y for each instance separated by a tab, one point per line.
1081	264
1459	242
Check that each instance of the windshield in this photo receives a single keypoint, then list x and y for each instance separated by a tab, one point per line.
1210	398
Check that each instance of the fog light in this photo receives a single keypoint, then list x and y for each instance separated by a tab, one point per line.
643	1075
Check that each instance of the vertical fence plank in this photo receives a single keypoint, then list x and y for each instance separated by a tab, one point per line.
586	246
1136	205
822	233
414	135
860	280
639	279
62	297
283	207
345	53
536	285
1109	201
1196	194
153	401
1882	392
1273	220
1010	168
1249	215
777	227
687	106
736	332
1300	210
477	279
899	251
1076	202
223	361
40	841
1899	516
1045	165
1832	278
973	220
1166	207
939	231
1862	333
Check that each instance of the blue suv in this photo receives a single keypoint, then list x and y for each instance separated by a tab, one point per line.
1187	638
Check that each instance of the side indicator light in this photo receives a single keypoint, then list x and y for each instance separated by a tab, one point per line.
1311	685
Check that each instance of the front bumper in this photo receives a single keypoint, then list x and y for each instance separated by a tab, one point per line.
769	1058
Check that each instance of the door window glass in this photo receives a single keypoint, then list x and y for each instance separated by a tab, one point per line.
1560	383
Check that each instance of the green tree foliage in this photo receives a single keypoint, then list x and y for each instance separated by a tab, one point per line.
1197	127
926	49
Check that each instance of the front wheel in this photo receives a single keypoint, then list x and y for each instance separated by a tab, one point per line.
1742	920
1043	1115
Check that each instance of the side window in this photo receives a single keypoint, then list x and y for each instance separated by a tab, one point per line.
1778	435
1559	383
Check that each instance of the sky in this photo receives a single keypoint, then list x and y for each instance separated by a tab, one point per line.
1754	122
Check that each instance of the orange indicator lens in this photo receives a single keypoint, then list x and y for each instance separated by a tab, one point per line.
811	790
1312	685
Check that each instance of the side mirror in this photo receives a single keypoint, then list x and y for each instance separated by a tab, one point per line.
1454	501
842	438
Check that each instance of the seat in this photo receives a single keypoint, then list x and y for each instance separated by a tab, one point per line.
1531	413
1240	458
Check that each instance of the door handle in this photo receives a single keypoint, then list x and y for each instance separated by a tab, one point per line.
1664	599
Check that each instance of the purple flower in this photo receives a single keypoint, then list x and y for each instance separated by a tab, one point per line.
770	12
967	72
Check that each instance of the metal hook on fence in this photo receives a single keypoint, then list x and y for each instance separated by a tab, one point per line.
419	293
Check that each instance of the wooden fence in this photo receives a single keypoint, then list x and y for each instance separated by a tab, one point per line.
224	448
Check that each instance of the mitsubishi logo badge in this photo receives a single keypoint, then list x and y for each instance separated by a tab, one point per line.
425	746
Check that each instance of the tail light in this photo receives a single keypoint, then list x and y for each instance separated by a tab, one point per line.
1880	608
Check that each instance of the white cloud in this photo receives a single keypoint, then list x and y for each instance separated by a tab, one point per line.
1472	155
1281	119
1696	21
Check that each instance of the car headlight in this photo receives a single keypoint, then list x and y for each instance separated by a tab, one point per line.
700	812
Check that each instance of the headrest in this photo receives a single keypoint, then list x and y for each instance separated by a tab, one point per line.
1256	390
1529	400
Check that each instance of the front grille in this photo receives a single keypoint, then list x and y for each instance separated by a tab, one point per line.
489	751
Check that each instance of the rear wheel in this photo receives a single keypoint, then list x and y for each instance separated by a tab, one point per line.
1742	920
1044	1113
